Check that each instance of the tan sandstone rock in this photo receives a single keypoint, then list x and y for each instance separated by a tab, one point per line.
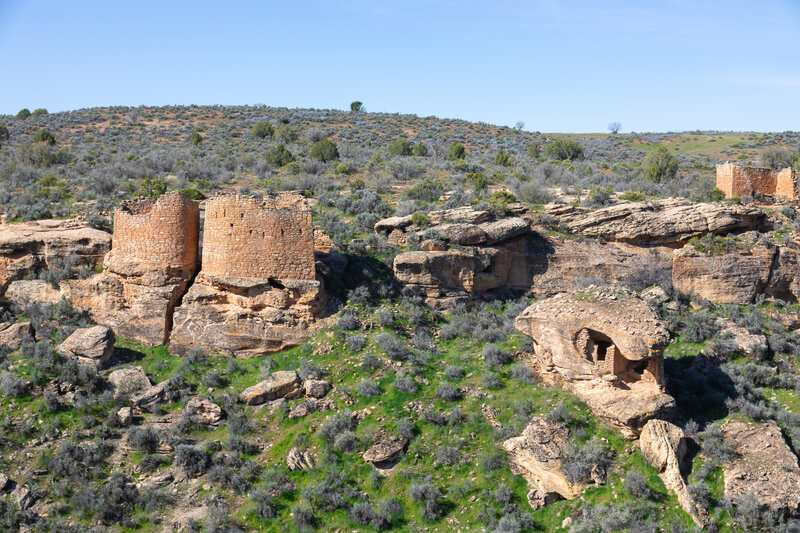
606	346
126	381
34	246
764	465
93	346
664	447
36	291
203	411
669	222
387	449
278	385
12	335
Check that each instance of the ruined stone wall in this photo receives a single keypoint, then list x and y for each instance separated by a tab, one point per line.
736	180
165	232
786	183
259	239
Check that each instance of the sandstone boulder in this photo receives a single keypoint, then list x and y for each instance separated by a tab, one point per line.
13	334
505	229
784	281
36	291
203	411
316	388
664	222
537	455
278	385
126	381
462	234
464	213
125	416
439	276
664	447
763	465
606	346
93	346
245	318
34	246
150	398
299	460
752	345
733	277
387	225
387	449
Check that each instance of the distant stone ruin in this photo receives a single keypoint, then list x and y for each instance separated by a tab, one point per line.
738	180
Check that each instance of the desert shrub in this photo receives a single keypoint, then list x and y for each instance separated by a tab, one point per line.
196	138
777	158
532	193
700	493
194	460
144	439
368	388
39	112
502	158
493	461
495	356
44	136
393	347
348	321
308	369
364	514
11	386
427	190
262	129
580	461
434	417
660	165
428	497
406	428
356	343
405	384
9	515
454	372
152	462
533	151
714	445
699	327
522	372
324	150
456	151
560	414
636	484
399	147
279	156
23	113
599	196
448	393
420	150
336	424
448	332
491	380
448	456
304	519
562	149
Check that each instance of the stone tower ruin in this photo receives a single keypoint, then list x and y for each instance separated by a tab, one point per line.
738	180
257	291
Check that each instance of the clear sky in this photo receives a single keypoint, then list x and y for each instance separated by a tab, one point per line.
559	66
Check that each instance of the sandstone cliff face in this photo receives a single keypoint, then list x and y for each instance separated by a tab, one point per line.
34	246
664	222
606	346
245	318
764	466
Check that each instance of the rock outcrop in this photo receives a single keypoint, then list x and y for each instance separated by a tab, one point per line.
387	450
664	447
258	291
127	381
281	384
203	411
93	346
12	335
154	257
32	247
606	346
665	222
763	466
537	455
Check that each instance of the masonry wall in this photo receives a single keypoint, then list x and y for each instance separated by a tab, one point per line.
165	232
736	180
259	239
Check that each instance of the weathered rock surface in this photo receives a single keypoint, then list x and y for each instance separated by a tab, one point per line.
35	246
125	416
606	346
764	466
734	277
93	346
36	291
664	447
126	381
316	388
387	449
299	460
537	455
203	411
752	345
310	405
13	334
282	384
245	318
148	399
664	222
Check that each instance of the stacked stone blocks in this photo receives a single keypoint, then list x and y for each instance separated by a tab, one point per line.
737	180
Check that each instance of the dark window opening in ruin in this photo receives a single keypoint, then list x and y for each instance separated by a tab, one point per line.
241	215
281	232
602	349
231	224
639	367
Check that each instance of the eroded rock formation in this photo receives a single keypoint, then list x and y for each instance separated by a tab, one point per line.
606	346
34	246
665	222
258	289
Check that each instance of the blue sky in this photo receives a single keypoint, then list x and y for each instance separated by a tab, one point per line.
559	66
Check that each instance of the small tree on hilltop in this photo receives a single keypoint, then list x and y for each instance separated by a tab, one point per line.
152	187
279	156
262	129
44	136
39	112
23	113
196	139
660	164
356	106
502	158
456	151
614	127
324	150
